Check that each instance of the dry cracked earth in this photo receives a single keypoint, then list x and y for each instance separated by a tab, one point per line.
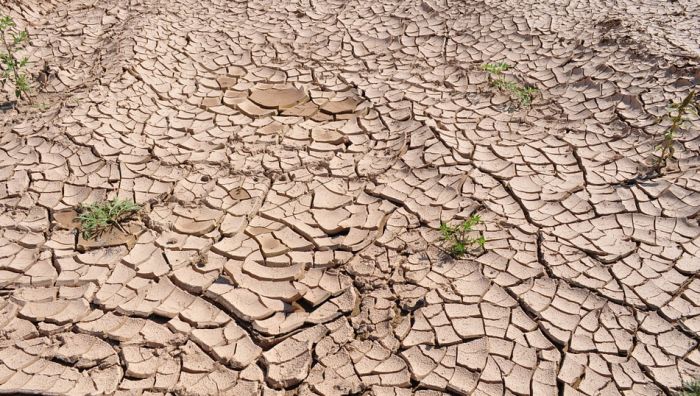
295	159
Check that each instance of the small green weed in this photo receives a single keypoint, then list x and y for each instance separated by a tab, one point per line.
522	93
496	68
97	217
457	237
677	114
13	68
690	389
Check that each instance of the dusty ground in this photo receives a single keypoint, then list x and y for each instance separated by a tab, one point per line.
295	160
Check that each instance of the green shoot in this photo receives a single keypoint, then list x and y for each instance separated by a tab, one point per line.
523	94
690	389
21	85
496	68
97	217
676	114
12	66
457	238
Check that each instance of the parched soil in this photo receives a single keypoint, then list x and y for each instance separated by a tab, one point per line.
294	161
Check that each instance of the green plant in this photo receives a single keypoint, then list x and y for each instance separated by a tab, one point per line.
12	66
523	94
690	389
457	238
97	217
496	68
676	114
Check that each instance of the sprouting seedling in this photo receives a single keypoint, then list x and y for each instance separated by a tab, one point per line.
690	389
677	114
13	68
496	68
523	94
458	239
97	217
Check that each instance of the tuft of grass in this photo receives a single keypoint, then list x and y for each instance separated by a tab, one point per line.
523	94
13	68
97	217
690	389
457	237
677	114
496	68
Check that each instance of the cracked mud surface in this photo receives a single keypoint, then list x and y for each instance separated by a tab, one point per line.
295	160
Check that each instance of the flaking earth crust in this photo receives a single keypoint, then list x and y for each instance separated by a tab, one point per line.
294	161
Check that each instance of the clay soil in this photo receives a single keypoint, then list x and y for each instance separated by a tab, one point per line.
294	161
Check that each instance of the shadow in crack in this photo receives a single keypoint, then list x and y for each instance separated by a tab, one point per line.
9	105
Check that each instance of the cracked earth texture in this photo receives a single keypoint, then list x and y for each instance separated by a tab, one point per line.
295	160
